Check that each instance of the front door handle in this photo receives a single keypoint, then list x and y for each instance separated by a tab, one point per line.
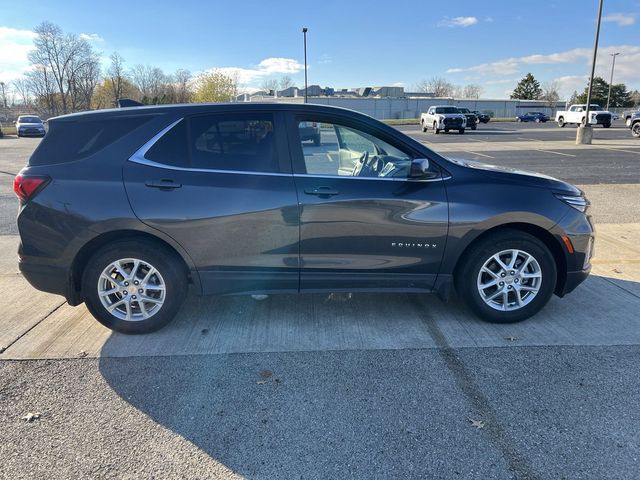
321	191
164	184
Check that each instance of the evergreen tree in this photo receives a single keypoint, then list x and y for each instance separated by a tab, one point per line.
527	89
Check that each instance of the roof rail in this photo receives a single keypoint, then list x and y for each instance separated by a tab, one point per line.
127	102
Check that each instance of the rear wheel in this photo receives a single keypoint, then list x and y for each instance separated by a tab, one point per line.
507	277
635	130
424	128
561	123
134	286
606	125
627	122
461	131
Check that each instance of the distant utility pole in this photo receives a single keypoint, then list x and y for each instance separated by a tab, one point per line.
4	96
584	134
306	86
613	65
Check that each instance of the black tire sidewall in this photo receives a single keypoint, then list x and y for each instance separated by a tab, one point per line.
466	283
165	261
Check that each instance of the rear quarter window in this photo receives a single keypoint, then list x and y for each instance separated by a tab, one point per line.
71	141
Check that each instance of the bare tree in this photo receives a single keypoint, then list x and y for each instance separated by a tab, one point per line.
285	82
437	86
21	86
472	91
269	84
182	81
116	74
3	92
43	88
63	56
550	94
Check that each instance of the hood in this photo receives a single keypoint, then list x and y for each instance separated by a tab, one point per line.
515	175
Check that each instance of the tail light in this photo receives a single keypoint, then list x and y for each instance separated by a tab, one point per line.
25	187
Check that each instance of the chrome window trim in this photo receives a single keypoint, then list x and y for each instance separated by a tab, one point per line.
139	158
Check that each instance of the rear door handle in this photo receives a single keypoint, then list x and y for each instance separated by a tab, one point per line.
321	191
164	184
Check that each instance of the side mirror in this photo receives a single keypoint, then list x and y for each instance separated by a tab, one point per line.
419	168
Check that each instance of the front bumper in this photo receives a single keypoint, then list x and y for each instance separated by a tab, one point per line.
573	280
31	132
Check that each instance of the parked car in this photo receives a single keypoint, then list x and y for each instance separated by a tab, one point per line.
634	124
443	117
309	131
472	120
533	117
229	199
482	117
577	115
30	125
627	117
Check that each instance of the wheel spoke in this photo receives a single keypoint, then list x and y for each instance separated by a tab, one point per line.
531	275
115	305
134	269
106	293
128	305
493	296
156	301
490	283
514	257
143	310
502	265
488	271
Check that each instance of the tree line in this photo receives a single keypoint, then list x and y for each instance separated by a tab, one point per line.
66	76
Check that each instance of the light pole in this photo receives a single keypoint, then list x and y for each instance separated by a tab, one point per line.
613	65
306	87
585	133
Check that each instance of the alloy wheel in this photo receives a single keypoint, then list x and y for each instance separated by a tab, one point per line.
131	289
509	280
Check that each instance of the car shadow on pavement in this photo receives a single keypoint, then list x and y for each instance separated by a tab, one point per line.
366	407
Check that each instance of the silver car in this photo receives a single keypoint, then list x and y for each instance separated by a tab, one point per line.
30	125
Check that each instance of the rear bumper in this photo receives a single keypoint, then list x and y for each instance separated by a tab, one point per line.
50	279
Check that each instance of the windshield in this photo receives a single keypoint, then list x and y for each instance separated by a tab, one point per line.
446	110
29	120
464	110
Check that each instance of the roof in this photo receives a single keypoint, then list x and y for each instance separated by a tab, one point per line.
191	108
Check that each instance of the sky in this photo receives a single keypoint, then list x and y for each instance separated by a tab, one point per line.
492	43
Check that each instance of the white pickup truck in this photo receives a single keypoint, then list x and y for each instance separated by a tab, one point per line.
444	117
577	112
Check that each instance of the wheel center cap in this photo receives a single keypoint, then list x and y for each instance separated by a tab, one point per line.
131	289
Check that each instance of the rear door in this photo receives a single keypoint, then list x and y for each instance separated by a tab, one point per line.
363	223
221	185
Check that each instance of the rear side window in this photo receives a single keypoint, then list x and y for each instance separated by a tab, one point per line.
71	141
171	148
233	142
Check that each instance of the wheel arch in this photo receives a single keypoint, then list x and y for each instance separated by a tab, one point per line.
88	249
540	233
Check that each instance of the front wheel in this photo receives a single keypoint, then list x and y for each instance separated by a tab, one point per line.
627	122
461	131
134	286
635	130
507	277
436	130
606	125
561	123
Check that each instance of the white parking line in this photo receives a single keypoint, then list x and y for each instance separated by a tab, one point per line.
551	151
617	149
478	140
477	153
530	139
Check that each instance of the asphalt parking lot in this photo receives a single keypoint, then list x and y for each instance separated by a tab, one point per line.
348	385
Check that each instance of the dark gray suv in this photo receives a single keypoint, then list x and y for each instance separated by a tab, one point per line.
123	209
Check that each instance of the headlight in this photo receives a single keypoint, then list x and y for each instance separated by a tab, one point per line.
576	201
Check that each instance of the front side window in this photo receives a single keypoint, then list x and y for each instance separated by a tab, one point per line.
346	151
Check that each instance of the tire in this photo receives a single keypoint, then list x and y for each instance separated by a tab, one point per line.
446	130
583	122
435	128
162	305
561	123
469	276
461	131
518	119
475	127
537	120
635	130
627	122
606	125
424	128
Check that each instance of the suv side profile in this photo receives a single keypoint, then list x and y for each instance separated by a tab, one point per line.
124	209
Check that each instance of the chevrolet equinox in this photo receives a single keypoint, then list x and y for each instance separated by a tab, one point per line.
122	209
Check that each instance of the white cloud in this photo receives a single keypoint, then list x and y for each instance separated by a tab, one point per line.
91	37
16	45
457	22
267	67
622	19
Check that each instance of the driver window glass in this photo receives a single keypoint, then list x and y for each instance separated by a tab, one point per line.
338	150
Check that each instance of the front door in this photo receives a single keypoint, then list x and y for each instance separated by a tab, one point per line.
221	186
363	223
